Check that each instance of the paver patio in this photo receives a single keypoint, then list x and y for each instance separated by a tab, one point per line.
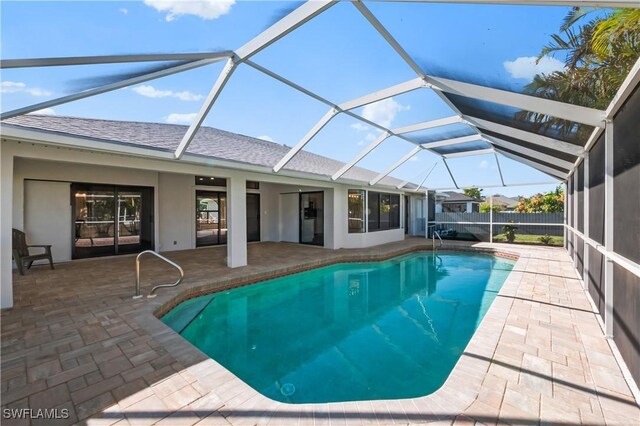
76	340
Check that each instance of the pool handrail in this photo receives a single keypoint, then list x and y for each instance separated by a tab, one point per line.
137	294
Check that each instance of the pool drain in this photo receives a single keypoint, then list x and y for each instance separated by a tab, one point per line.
288	389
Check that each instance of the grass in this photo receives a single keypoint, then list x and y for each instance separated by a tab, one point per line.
529	239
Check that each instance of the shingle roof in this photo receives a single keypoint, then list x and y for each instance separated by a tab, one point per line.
209	142
456	197
503	200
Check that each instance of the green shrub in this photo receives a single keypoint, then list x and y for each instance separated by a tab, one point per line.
510	232
545	239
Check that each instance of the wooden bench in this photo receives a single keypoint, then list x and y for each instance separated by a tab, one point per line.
20	251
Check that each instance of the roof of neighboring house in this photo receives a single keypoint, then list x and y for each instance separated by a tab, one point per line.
208	142
457	197
503	200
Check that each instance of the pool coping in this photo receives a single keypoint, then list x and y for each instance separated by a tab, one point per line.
233	395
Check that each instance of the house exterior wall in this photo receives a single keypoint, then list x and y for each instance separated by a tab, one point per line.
173	183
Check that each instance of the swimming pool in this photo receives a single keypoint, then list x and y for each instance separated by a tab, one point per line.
350	331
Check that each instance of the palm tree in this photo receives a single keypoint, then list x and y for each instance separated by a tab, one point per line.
598	57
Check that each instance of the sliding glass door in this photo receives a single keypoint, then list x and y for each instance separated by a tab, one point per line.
211	218
312	218
110	220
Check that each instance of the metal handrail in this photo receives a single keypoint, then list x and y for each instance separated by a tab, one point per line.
434	235
137	294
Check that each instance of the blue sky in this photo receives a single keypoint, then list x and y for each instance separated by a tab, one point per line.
337	54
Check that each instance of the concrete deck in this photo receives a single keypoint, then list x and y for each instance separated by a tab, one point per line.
75	340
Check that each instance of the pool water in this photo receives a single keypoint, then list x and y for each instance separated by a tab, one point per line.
351	331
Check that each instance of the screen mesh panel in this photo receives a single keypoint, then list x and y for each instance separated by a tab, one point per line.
462	147
626	314
542	149
596	191
626	231
535	160
626	193
440	133
570	236
566	130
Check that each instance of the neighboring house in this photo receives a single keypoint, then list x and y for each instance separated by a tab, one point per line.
456	202
102	188
507	204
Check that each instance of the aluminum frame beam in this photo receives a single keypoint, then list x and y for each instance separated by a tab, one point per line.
380	95
540	167
533	138
389	38
275	32
609	218
585	3
499	169
284	26
428	125
425	178
107	88
373	145
314	131
578	114
453	141
224	76
444	160
110	59
395	165
530	152
469	153
407	129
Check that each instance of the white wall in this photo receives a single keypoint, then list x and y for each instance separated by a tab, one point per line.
6	223
369	239
176	211
47	217
28	171
289	217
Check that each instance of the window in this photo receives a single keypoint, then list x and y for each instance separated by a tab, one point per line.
211	181
373	211
356	211
384	211
253	185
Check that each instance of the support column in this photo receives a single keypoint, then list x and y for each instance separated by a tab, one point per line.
491	219
585	212
6	223
565	214
426	214
608	228
575	215
236	222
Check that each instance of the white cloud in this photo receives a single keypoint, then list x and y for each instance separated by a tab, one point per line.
266	138
176	118
525	67
360	127
44	111
367	139
124	11
483	164
206	9
383	112
152	92
20	87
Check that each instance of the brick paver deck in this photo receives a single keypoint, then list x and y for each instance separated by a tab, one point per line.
75	340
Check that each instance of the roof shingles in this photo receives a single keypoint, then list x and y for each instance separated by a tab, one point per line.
208	142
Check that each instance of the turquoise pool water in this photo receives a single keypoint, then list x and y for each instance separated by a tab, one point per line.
351	331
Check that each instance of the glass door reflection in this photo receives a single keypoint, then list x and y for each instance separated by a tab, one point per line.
312	218
94	222
211	218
